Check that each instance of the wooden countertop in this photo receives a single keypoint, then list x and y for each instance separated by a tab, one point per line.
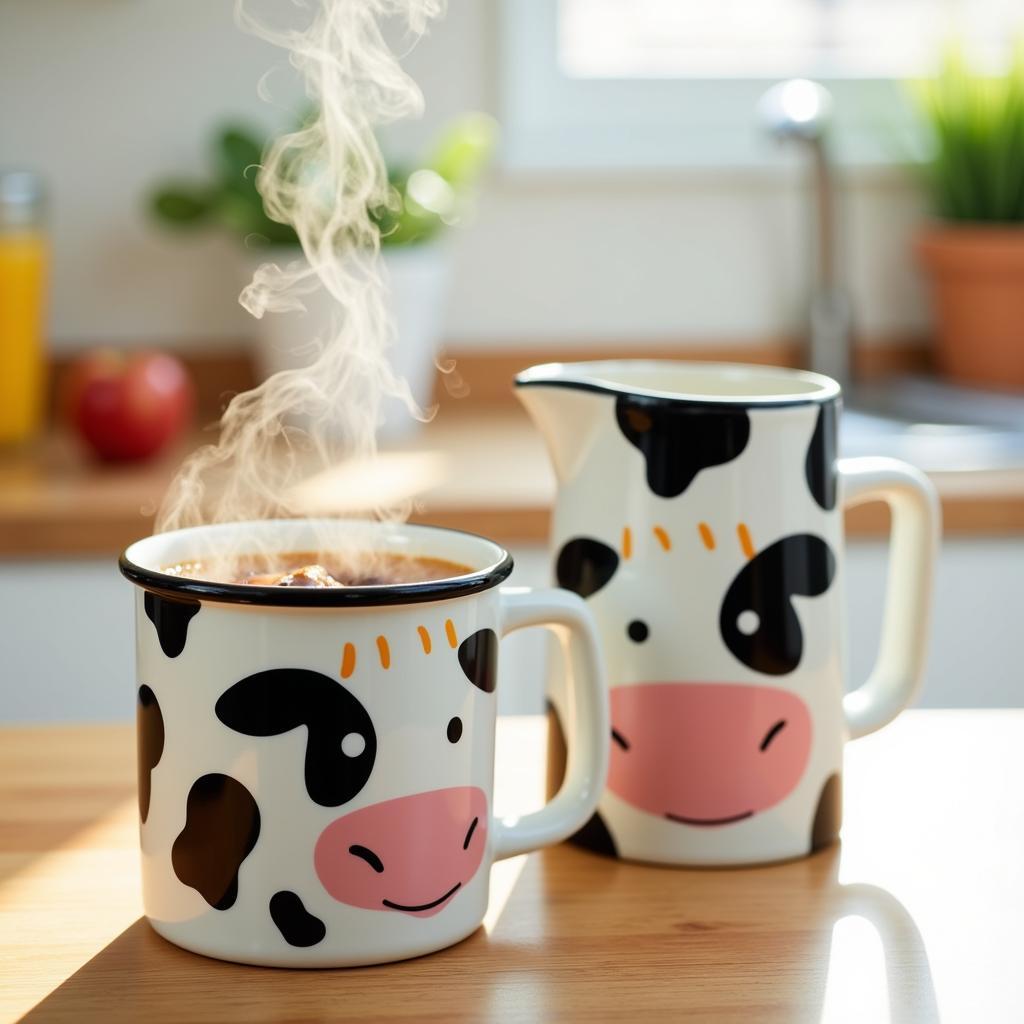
915	916
476	469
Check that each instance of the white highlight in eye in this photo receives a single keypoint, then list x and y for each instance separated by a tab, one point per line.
352	744
748	622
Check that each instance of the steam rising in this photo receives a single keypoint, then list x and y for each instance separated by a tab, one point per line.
322	180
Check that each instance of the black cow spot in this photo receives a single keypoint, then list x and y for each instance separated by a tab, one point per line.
773	642
171	618
149	738
296	924
820	463
829	814
585	565
222	824
677	440
281	699
478	656
595	836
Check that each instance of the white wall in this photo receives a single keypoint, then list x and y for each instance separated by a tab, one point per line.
107	96
67	634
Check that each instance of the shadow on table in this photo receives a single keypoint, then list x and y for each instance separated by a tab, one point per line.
41	816
785	942
23	842
581	937
142	977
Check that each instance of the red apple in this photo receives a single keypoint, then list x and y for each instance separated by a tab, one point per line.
128	405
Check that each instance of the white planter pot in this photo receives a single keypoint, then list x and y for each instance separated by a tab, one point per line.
417	282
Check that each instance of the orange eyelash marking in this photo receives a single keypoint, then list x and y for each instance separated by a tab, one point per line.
745	542
384	651
348	661
627	542
706	536
424	638
663	538
449	628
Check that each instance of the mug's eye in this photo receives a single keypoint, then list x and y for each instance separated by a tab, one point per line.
455	730
748	622
353	744
638	631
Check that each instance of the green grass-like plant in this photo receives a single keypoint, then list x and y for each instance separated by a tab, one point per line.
976	120
424	200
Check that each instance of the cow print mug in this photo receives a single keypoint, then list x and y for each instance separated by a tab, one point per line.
316	765
700	513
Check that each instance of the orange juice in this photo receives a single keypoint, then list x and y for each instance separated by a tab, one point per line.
23	272
23	261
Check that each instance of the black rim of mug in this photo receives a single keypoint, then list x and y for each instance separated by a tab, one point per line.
183	587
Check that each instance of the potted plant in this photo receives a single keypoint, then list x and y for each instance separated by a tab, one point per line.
425	200
974	253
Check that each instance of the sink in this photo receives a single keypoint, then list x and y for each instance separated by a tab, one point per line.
935	426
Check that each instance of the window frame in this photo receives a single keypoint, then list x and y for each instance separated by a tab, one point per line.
555	123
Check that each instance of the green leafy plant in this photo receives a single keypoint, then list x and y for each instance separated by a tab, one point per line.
976	171
424	199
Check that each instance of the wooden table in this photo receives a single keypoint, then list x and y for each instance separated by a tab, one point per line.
917	915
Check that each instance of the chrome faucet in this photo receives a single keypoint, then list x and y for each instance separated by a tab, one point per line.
800	110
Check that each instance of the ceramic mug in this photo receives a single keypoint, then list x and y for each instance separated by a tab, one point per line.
700	513
316	765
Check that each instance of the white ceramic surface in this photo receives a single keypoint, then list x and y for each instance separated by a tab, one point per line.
699	511
316	777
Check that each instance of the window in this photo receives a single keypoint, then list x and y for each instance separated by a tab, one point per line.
642	83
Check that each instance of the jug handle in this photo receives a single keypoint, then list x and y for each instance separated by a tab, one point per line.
916	517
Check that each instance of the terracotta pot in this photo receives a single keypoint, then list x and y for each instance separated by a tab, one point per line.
977	279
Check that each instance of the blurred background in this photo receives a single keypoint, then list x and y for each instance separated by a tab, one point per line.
827	183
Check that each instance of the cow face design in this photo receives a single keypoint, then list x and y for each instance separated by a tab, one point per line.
706	754
341	744
697	513
697	753
410	854
758	622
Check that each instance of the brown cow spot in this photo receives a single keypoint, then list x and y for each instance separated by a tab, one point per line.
829	815
222	824
149	732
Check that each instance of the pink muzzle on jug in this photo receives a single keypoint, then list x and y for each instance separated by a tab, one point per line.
706	754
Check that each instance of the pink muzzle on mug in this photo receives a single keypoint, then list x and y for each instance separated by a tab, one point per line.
411	854
706	754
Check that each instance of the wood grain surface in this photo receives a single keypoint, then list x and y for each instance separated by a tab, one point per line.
915	917
486	472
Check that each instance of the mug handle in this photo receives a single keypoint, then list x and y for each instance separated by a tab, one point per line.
913	542
587	743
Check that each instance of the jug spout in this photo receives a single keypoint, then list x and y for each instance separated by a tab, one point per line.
565	411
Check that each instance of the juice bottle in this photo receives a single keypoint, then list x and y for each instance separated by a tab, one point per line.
23	272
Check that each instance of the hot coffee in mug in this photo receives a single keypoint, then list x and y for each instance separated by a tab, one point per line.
700	514
316	759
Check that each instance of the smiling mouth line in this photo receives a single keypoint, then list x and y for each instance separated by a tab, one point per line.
425	906
709	821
